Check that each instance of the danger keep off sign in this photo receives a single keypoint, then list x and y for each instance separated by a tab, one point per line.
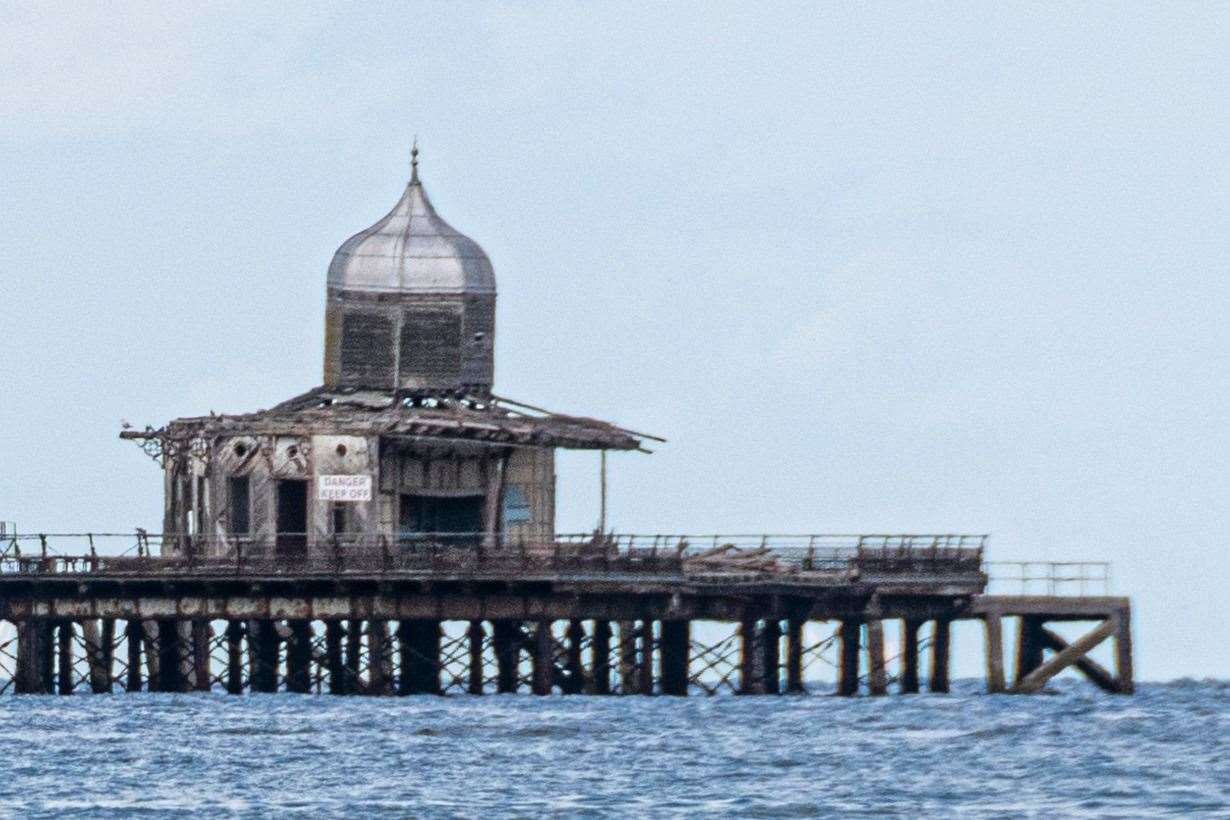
344	488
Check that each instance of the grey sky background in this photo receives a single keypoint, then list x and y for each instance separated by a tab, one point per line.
914	267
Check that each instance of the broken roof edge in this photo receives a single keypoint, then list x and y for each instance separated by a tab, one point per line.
449	418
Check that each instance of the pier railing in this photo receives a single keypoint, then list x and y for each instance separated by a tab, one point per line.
1048	577
848	557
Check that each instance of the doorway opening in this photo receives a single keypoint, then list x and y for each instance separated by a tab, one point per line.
292	519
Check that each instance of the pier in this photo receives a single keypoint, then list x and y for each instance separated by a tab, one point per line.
614	615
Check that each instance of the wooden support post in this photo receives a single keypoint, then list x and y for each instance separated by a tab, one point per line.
1124	675
847	680
940	654
106	651
264	637
877	671
1029	647
627	657
574	678
98	660
675	644
234	657
748	684
377	658
995	653
153	663
299	657
64	670
47	656
770	656
909	656
23	671
644	669
420	657
794	657
600	658
354	650
333	657
476	636
202	633
133	638
25	676
507	655
1035	680
544	663
170	654
34	657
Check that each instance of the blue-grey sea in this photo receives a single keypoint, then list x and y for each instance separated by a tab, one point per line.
1075	753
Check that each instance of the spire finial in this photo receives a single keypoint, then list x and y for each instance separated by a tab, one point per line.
414	161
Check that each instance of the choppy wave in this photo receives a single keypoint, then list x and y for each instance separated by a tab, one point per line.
1079	754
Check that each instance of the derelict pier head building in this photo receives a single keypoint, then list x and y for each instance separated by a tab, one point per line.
403	442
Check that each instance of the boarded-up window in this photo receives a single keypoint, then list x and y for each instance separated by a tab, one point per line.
431	346
516	506
240	498
367	349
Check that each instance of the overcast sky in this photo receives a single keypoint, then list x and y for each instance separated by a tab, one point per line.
931	267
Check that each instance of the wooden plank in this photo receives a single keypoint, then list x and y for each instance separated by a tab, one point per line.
378	678
234	657
202	633
995	652
794	657
674	655
1029	646
544	663
627	657
333	657
644	669
475	637
573	682
748	684
1122	620
99	672
1090	668
133	638
299	657
64	670
770	654
847	680
877	676
600	658
420	656
1035	680
354	656
504	635
909	656
940	655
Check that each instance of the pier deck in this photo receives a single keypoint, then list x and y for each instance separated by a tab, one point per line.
571	617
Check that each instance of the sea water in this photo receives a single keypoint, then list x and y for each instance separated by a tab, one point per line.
1075	753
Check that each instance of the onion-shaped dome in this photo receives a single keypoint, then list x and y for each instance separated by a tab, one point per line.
412	250
411	304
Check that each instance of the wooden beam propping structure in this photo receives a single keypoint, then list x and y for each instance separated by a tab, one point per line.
1069	655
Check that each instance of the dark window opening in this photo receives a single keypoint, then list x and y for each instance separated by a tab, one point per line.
241	505
292	519
452	521
340	519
